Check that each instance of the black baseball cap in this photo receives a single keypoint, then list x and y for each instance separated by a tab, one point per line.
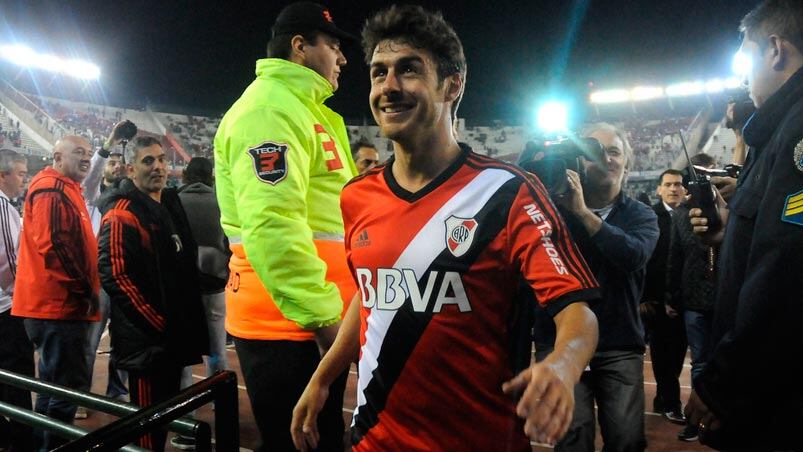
307	16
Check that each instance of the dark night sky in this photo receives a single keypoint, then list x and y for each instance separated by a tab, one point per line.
201	54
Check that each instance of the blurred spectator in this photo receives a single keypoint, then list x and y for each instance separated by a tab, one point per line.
365	155
16	350
203	214
690	287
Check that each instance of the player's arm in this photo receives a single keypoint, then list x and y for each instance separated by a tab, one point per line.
304	427
273	213
547	404
549	260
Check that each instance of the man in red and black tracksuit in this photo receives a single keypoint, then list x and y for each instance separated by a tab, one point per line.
147	263
56	286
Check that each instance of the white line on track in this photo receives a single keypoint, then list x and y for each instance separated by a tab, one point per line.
199	377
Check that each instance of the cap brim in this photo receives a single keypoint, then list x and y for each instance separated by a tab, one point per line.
338	33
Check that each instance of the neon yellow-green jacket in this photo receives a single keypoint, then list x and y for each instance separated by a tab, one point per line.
281	159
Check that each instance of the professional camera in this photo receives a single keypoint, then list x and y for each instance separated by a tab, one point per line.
743	109
549	160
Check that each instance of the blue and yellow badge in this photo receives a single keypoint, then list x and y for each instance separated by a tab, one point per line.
793	209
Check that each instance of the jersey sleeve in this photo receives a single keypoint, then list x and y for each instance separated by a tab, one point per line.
269	157
541	247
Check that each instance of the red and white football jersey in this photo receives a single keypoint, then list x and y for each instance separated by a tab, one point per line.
438	272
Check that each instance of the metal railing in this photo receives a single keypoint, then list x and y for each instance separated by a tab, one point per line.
221	388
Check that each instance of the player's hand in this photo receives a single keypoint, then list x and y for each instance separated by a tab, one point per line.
325	337
725	185
304	426
547	404
697	413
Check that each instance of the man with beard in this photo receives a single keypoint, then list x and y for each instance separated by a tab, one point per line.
107	169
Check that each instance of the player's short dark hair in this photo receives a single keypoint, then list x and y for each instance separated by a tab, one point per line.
279	46
139	142
702	159
671	171
775	17
422	29
199	169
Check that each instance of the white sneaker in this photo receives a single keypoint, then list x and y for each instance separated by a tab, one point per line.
81	413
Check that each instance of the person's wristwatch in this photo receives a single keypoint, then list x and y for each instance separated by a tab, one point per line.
103	151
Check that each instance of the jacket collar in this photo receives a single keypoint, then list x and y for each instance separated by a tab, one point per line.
765	120
51	172
197	187
302	81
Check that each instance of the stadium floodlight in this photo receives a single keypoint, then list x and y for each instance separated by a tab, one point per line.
23	56
646	93
685	89
742	64
553	117
612	96
714	86
733	83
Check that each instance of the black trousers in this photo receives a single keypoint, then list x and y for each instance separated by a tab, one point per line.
151	387
276	373
16	355
667	351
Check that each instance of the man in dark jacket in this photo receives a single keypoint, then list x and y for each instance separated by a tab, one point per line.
616	235
748	396
665	326
200	204
147	262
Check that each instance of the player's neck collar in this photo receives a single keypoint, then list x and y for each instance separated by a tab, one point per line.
412	197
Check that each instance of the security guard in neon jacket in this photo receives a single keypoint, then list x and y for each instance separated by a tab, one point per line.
282	158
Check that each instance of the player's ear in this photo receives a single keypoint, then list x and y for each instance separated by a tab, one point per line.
454	87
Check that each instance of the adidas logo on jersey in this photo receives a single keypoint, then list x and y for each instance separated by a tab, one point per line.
362	239
393	286
545	228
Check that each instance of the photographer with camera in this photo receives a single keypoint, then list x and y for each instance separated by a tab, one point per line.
106	169
616	235
748	396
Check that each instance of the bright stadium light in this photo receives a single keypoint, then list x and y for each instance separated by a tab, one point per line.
733	83
685	89
646	93
553	117
612	96
23	56
714	86
742	64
